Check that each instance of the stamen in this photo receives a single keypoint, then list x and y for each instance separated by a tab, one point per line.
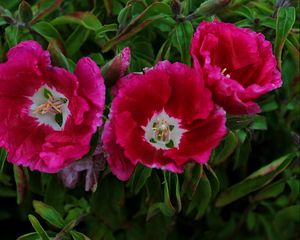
224	70
51	106
161	130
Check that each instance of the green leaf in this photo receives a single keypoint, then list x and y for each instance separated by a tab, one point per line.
139	178
213	179
287	221
38	228
250	220
55	193
259	123
273	190
21	179
57	57
47	10
201	197
11	35
3	155
166	207
125	15
193	173
48	213
285	20
86	19
78	236
25	12
104	29
110	193
46	30
255	181
294	186
182	37
239	122
226	148
76	40
155	11
29	236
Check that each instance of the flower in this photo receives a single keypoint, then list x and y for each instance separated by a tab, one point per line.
48	114
238	64
163	119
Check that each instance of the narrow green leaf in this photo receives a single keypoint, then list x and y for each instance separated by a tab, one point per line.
259	123
226	148
38	228
106	28
285	20
182	39
155	11
139	178
57	57
46	30
78	236
255	181
201	198
125	15
76	40
86	19
250	220
213	180
11	35
3	155
21	179
49	214
30	236
44	12
273	190
114	41
239	122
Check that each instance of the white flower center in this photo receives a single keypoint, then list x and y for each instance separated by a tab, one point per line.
50	107
163	131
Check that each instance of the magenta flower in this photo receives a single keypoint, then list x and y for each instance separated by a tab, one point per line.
164	119
238	64
48	115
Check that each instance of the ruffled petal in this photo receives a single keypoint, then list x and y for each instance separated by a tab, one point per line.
120	166
189	99
199	140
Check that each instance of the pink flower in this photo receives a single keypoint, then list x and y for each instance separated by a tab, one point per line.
164	119
238	64
48	114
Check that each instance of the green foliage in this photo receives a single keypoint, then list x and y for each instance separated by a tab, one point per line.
249	190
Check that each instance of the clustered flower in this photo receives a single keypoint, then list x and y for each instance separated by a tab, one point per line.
165	117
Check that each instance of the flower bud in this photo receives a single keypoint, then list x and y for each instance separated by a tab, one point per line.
176	7
25	12
211	7
116	68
